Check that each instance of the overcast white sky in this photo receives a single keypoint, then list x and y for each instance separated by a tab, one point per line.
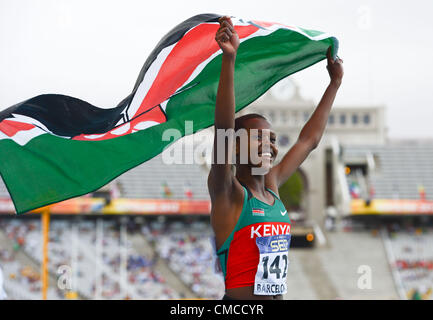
94	50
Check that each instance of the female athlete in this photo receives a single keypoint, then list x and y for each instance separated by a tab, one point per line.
250	223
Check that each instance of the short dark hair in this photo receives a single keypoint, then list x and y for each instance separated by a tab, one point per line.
239	122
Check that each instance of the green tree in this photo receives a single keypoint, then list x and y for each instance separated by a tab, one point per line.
291	192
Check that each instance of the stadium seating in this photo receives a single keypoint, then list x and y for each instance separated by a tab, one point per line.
185	247
146	180
399	168
143	282
188	250
412	261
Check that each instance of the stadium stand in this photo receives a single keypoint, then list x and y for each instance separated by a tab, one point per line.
147	180
411	259
21	273
398	169
143	281
330	272
188	251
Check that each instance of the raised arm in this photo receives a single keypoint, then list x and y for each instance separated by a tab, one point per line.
221	177
312	131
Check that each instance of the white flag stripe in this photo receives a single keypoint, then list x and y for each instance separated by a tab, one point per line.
24	136
148	80
150	77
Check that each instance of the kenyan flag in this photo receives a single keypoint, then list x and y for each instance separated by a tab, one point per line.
55	147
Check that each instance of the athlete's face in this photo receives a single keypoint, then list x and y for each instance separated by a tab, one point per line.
262	147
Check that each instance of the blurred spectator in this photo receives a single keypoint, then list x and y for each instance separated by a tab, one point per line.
416	295
421	192
166	191
188	191
354	189
331	216
371	191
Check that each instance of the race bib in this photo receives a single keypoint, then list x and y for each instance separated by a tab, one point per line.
272	268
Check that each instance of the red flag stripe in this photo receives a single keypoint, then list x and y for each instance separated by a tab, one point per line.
195	47
171	71
10	128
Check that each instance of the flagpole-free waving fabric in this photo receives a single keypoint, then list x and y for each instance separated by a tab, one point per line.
55	147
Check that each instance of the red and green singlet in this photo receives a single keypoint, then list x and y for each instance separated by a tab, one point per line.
255	253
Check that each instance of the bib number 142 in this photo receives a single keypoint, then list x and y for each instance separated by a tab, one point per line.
275	266
273	263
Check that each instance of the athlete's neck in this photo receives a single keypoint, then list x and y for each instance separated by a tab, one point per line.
256	183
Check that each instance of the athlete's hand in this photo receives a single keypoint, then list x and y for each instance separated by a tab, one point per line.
226	37
335	68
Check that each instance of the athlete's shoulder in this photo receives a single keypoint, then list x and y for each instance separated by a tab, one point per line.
227	203
232	190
